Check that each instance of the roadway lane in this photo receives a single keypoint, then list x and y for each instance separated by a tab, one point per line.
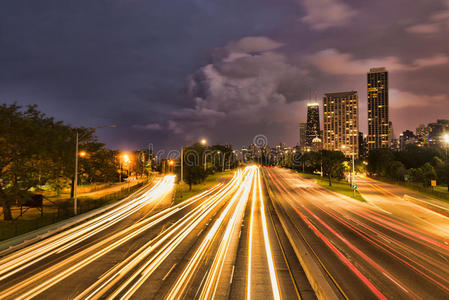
118	264
135	275
149	248
35	269
426	213
238	256
265	266
365	251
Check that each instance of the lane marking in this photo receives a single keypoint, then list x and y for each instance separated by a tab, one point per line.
169	271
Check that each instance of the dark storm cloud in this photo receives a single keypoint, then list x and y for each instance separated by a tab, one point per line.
166	71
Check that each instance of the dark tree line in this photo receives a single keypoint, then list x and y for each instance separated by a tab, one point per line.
201	161
415	164
331	163
37	150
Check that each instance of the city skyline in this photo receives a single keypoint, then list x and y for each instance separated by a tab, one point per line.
237	149
123	70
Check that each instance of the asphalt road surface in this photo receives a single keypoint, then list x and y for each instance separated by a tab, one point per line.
385	248
225	243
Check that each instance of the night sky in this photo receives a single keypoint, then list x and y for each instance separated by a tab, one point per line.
168	72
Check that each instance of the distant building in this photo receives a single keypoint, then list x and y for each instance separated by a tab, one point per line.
341	122
395	144
422	135
313	123
317	144
432	134
406	138
302	134
363	145
391	135
437	131
378	115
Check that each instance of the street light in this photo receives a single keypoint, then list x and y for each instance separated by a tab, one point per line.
126	159
75	181
353	168
203	141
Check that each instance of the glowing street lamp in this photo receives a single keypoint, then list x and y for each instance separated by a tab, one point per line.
353	168
203	141
75	179
126	158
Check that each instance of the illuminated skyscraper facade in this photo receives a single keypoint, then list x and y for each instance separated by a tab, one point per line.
378	116
341	122
313	123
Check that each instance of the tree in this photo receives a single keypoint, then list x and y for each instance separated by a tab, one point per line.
397	170
27	155
332	164
379	161
37	150
428	173
193	164
442	169
311	162
415	157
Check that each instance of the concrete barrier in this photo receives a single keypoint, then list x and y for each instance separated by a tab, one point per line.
324	290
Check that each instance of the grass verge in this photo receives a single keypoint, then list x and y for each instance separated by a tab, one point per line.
338	186
439	193
32	218
183	192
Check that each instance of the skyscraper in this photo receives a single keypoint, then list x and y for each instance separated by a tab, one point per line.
378	118
313	123
341	122
302	134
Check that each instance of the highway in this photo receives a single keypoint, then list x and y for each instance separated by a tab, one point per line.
384	248
224	243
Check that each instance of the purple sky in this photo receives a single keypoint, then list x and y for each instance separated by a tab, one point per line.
169	72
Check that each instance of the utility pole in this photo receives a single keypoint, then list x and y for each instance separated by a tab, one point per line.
353	170
181	181
75	180
224	156
120	175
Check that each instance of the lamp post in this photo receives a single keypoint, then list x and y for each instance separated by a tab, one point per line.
223	162
75	180
181	180
170	166
351	177
204	142
126	161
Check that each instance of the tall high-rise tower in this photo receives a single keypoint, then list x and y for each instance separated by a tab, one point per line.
378	117
341	122
313	123
302	134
